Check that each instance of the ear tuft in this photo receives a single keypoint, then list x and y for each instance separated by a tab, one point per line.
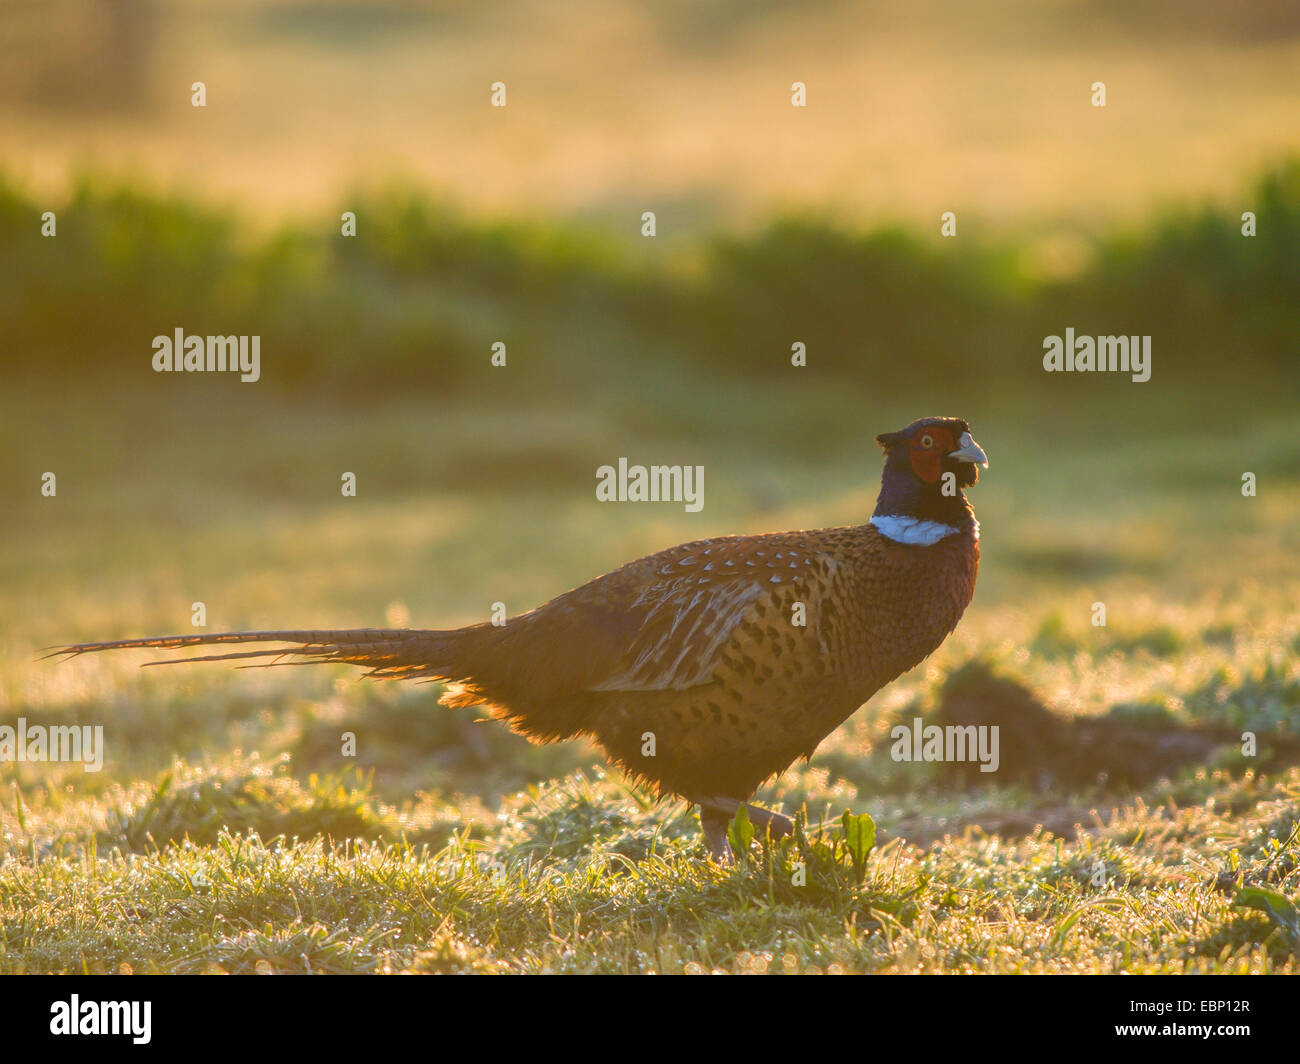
888	439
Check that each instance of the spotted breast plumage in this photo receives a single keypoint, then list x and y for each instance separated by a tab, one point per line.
705	669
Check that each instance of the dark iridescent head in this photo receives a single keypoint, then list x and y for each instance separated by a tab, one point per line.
917	459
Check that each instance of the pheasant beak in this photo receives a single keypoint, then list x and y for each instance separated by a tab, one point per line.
969	451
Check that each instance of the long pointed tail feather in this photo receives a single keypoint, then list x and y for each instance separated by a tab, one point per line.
389	652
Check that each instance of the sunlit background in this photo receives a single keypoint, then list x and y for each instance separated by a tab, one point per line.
675	104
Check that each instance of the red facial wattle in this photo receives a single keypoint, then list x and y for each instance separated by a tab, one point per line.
928	448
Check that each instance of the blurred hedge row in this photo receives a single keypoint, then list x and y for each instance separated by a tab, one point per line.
416	299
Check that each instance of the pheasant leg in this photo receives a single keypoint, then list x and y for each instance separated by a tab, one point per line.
777	824
715	824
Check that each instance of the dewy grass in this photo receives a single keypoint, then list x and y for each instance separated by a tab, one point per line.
638	897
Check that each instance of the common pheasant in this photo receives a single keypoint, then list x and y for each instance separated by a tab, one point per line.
706	668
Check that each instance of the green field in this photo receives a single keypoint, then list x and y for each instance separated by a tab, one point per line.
1125	830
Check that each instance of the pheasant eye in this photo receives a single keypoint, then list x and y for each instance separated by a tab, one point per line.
927	441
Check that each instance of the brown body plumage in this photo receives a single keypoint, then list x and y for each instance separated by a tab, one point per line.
703	669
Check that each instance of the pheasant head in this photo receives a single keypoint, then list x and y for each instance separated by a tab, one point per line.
928	466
